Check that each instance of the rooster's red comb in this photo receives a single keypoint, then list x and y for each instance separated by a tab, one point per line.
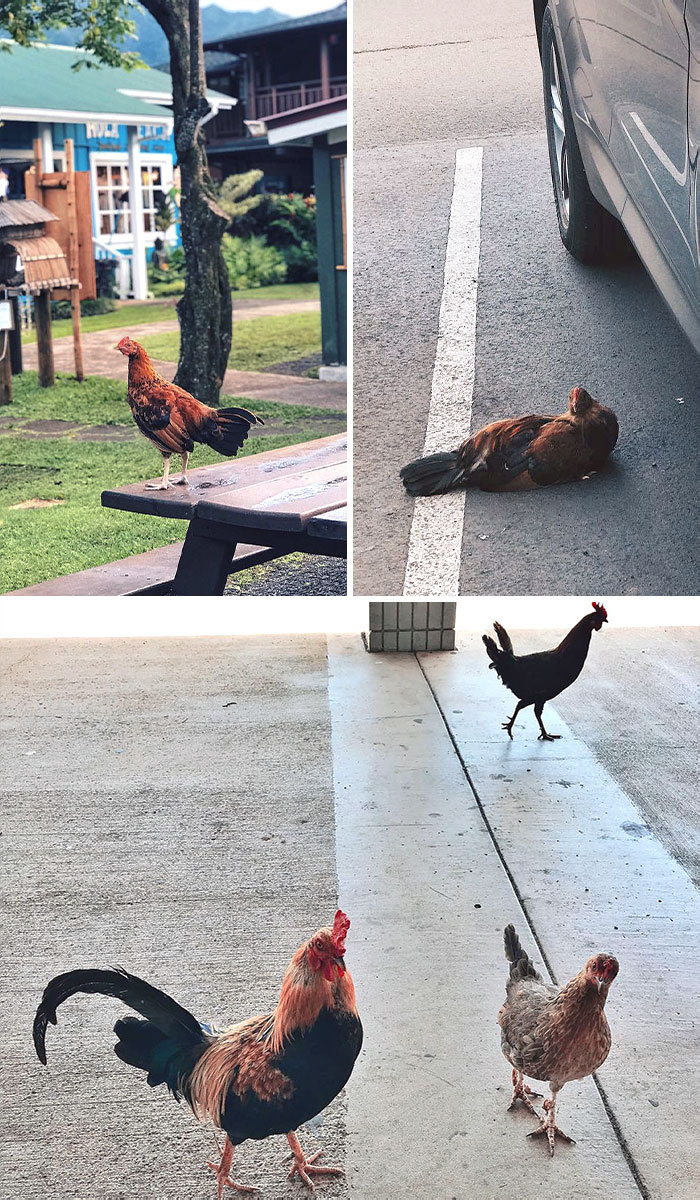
601	609
341	924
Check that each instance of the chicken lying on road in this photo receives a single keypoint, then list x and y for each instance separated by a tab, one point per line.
525	452
173	420
555	1034
537	678
266	1075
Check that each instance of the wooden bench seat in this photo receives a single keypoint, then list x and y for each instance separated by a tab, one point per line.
147	574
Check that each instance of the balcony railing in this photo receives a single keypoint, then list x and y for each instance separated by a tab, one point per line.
269	101
227	124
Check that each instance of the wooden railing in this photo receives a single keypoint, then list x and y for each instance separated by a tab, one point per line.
227	124
269	101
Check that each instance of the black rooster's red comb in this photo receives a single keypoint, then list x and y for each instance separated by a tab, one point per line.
341	924
601	609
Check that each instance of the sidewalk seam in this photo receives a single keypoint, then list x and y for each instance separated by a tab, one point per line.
621	1139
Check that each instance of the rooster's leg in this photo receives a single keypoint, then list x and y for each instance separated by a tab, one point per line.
522	1092
222	1170
302	1166
544	736
165	482
549	1125
509	724
183	478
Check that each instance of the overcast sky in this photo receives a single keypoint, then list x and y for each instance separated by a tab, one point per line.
295	8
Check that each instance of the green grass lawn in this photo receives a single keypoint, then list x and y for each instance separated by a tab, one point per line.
42	543
128	316
258	343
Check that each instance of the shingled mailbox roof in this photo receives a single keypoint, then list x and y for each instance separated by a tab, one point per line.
27	256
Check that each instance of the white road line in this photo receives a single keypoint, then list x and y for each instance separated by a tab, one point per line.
435	543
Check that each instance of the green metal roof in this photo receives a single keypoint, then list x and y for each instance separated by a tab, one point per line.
40	80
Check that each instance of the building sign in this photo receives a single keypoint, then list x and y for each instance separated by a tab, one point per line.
107	130
102	129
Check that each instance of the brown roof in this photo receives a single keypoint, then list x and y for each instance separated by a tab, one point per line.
23	212
43	261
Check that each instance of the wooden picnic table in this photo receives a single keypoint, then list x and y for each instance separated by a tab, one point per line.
282	500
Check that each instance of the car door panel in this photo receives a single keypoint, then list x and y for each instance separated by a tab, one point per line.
644	58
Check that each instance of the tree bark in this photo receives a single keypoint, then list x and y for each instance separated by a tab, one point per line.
204	311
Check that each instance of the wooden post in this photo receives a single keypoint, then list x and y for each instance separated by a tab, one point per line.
74	260
325	69
5	369
44	342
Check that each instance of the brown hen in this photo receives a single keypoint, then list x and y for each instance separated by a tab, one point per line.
522	452
550	1033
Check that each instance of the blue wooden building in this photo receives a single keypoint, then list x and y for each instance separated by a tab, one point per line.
121	125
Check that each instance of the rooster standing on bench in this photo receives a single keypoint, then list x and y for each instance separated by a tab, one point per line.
172	419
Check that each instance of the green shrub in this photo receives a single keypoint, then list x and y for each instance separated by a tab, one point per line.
292	229
251	263
60	309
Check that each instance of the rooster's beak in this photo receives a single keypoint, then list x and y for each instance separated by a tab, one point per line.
599	981
340	962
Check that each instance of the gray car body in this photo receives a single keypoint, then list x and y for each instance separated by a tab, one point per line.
632	74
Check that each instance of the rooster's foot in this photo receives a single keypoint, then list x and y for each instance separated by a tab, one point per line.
549	1126
223	1179
507	725
303	1166
548	737
183	481
158	487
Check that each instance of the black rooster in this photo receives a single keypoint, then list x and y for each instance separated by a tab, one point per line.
537	678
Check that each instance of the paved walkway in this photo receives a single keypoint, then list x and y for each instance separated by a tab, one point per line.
101	359
387	783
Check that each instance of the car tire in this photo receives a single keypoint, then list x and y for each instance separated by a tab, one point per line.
589	232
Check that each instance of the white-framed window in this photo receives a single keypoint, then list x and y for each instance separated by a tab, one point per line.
110	193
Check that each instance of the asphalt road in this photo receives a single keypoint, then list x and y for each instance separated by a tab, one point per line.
428	81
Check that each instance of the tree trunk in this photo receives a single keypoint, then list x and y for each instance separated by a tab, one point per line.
204	311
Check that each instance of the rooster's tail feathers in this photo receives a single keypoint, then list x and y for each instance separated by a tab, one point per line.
163	1013
521	966
503	637
491	649
435	474
165	1060
228	428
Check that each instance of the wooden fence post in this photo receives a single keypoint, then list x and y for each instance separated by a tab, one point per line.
5	369
73	260
44	338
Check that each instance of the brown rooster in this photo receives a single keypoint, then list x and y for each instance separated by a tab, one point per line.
173	420
266	1075
556	1034
525	452
537	678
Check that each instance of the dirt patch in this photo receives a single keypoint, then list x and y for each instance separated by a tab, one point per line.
107	433
296	366
37	504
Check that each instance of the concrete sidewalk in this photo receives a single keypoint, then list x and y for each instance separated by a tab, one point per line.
192	808
100	359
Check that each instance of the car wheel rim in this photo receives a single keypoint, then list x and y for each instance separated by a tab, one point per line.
561	161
